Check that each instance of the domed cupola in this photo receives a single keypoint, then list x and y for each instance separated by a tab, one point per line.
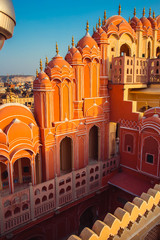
136	23
158	25
58	67
152	20
100	35
147	27
73	56
42	80
118	25
88	46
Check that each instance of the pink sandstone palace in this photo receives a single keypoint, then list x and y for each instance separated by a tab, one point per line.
80	164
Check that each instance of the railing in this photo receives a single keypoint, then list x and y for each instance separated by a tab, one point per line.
36	201
44	198
154	70
15	210
129	70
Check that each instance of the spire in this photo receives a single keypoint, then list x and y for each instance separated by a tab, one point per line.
153	14
57	51
99	22
149	12
72	41
96	26
36	72
134	12
119	10
93	29
143	12
87	27
68	47
46	61
103	22
105	17
41	67
129	20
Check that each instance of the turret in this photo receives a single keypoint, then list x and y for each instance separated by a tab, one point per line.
43	99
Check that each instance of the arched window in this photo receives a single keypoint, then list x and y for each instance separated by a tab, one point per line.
93	143
125	49
66	155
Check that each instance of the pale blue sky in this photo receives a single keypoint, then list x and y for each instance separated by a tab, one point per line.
41	23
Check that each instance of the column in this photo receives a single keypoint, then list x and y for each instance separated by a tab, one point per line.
33	170
10	177
20	170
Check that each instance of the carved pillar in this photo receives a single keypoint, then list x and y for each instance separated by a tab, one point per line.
20	170
33	169
10	177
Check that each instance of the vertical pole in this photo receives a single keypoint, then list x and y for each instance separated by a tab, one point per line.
31	200
33	171
10	177
73	185
20	170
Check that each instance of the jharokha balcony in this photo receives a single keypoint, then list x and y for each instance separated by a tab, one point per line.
133	70
29	201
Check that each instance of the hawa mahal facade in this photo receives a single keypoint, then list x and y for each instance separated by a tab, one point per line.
92	143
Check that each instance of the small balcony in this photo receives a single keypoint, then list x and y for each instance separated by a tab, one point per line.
33	202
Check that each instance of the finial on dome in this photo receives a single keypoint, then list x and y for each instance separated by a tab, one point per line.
36	72
99	22
146	106
96	26
57	51
41	67
93	29
103	22
134	12
46	61
149	12
72	41
143	12
129	20
153	14
119	10
105	17
68	47
87	27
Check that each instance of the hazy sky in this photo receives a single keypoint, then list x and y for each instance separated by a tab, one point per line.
41	23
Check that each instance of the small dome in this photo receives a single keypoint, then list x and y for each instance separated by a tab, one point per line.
42	81
153	22
87	40
158	21
73	56
58	68
147	27
11	111
145	22
117	24
58	61
136	23
100	35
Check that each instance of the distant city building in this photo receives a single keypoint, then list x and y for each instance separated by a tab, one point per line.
92	144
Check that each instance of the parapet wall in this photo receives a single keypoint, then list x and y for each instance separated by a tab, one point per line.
134	221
